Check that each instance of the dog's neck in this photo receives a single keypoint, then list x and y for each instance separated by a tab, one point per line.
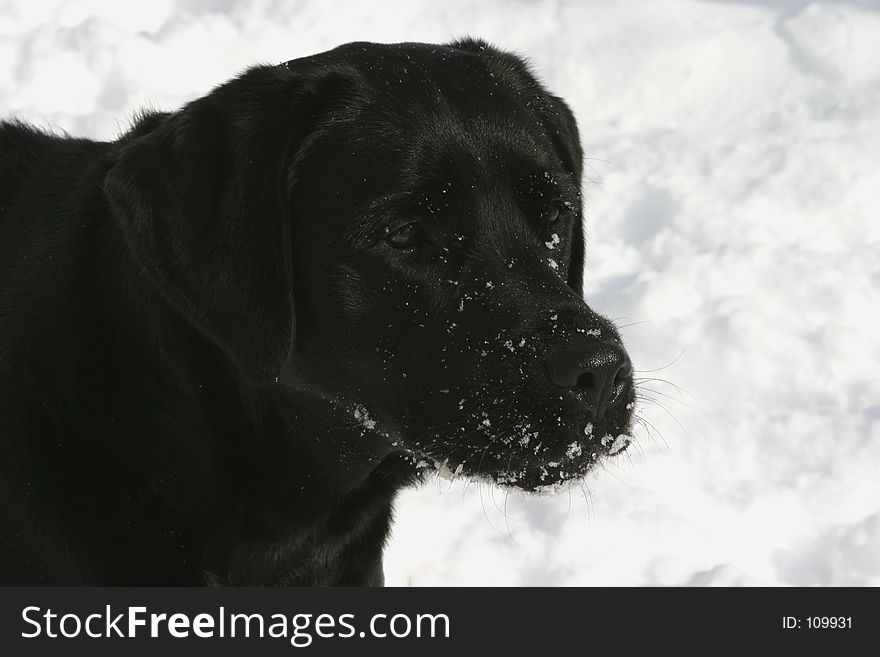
254	481
325	489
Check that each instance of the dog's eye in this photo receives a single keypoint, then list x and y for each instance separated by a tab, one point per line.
553	213
405	237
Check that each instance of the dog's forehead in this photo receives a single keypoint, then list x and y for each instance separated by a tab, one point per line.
443	112
404	86
437	129
443	67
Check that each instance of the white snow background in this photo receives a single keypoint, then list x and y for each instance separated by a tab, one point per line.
732	211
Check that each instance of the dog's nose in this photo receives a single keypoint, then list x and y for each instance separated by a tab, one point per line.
599	370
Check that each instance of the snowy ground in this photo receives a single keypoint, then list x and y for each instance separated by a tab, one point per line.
732	212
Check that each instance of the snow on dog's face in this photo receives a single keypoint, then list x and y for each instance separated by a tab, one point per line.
438	260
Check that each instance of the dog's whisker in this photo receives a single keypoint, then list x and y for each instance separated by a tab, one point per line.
603	464
507	517
640	424
599	159
485	514
663	408
643	388
639	380
669	364
623	326
588	499
485	451
598	180
639	448
647	401
504	511
647	423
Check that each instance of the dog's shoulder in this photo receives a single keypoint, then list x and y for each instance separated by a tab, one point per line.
21	147
36	163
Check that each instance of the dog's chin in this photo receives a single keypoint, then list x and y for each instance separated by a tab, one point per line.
536	467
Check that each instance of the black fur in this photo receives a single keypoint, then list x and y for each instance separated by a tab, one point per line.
216	367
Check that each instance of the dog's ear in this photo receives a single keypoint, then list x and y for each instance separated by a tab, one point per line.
202	201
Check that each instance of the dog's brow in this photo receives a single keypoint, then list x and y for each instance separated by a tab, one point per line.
369	221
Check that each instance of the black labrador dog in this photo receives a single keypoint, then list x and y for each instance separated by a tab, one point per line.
231	336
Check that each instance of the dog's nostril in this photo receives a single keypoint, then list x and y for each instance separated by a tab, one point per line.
623	375
619	385
586	381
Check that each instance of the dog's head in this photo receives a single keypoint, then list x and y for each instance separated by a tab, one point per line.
396	228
